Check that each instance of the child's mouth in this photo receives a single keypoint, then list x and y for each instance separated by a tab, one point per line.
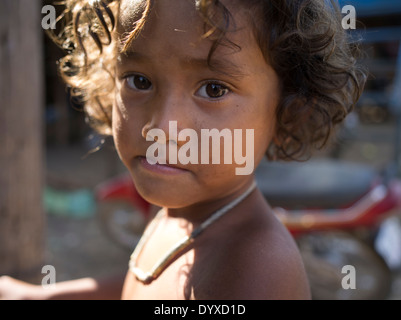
160	168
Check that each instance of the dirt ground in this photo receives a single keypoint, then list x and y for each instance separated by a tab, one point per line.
78	247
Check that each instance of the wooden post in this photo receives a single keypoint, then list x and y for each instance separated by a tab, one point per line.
22	218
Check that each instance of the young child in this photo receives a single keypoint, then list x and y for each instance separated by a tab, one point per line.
283	69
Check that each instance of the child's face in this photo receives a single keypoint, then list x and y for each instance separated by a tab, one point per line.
165	77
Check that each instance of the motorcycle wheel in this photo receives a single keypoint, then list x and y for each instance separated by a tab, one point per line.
121	223
325	254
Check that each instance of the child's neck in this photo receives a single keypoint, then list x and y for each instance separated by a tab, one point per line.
199	212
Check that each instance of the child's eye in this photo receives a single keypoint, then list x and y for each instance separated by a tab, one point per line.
138	82
212	90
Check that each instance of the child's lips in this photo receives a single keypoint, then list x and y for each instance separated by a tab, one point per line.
161	168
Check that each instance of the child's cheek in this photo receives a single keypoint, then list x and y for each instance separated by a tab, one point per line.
118	133
120	109
121	134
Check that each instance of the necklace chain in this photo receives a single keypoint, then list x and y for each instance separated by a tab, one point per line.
174	252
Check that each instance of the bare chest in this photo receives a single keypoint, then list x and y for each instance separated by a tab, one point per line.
174	283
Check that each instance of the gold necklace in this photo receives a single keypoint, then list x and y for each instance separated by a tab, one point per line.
160	266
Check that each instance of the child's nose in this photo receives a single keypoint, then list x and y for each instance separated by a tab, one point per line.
168	108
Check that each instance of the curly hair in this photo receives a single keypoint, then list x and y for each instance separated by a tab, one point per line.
302	40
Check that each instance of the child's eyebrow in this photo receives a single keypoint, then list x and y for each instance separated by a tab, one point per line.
225	66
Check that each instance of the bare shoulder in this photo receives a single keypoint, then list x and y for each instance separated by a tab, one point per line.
260	261
277	265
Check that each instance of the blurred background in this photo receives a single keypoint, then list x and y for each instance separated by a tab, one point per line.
49	214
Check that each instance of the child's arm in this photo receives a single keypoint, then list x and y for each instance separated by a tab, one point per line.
80	289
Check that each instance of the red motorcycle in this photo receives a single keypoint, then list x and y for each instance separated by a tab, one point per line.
334	210
340	214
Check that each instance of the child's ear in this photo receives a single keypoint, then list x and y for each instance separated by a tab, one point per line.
271	153
275	140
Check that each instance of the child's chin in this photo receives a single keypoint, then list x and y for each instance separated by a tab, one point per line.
169	202
168	197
